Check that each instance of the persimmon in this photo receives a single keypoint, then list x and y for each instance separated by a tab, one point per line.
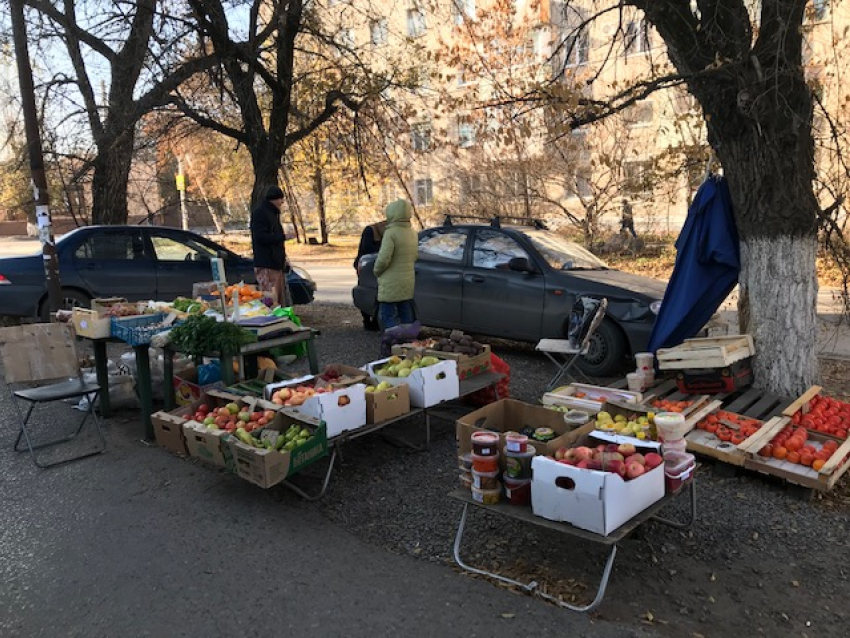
792	457
806	458
794	444
818	464
779	452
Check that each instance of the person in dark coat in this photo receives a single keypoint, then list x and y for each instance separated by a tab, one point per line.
267	242
370	243
627	220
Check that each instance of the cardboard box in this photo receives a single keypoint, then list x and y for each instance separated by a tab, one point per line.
342	409
387	404
186	388
510	415
208	445
466	366
428	386
265	467
91	323
597	501
168	430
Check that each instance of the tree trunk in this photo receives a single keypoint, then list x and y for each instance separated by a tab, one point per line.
110	177
319	187
779	294
266	165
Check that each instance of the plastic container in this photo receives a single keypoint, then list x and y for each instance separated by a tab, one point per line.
485	444
678	470
648	378
635	381
485	480
465	461
670	426
515	442
544	434
485	463
645	361
518	464
576	418
518	491
673	448
465	480
488	497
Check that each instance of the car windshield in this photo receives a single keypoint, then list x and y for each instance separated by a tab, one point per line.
562	254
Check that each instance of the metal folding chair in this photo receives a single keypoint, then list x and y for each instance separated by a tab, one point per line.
564	354
31	356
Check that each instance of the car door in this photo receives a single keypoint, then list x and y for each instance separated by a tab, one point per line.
182	259
439	276
496	300
112	262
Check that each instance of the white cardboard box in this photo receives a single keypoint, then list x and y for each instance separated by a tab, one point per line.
428	386
326	406
599	502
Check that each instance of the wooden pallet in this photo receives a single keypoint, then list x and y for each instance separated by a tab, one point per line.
712	352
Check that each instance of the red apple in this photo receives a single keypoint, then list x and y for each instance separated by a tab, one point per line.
583	464
561	453
583	453
268	415
652	460
633	470
618	467
612	447
594	465
203	408
626	449
601	447
637	457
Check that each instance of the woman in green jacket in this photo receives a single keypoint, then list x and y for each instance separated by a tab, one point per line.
394	267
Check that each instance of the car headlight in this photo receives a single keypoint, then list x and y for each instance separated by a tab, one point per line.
655	307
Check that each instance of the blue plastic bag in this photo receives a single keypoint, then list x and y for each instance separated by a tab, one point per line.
209	373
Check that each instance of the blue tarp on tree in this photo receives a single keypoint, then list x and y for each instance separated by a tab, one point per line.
706	270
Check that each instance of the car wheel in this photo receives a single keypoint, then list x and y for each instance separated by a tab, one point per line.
70	299
606	352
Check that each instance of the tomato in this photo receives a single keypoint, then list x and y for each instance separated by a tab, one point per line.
711	428
793	457
806	459
794	444
737	438
767	450
810	449
823	454
796	418
724	434
841	434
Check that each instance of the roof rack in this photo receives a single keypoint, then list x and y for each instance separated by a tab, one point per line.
495	221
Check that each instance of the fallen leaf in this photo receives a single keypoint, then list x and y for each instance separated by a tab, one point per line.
508	615
649	616
712	578
755	536
795	583
711	599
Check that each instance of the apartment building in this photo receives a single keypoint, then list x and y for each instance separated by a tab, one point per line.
467	145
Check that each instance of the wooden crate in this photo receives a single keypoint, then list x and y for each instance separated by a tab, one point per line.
822	480
801	404
594	397
714	352
707	444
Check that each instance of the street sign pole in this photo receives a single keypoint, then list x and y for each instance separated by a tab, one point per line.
36	158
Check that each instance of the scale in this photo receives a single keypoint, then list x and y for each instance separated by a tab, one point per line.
266	325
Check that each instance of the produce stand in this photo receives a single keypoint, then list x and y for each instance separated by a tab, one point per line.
441	411
525	515
249	354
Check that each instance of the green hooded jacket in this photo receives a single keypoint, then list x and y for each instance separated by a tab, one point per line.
399	249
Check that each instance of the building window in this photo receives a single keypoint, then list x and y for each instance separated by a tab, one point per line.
420	136
378	32
415	22
516	184
463	9
641	114
465	131
423	191
637	178
577	49
470	185
818	9
637	38
346	38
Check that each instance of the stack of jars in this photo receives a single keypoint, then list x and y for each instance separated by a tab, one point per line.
517	478
678	463
485	486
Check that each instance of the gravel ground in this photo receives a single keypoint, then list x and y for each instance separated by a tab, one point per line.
760	558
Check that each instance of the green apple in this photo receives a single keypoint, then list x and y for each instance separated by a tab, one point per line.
370	388
232	408
244	416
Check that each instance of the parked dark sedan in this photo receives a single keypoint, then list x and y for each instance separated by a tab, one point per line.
136	262
520	283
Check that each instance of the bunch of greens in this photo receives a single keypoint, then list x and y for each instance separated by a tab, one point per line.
200	334
182	304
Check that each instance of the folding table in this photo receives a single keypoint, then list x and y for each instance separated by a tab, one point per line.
525	514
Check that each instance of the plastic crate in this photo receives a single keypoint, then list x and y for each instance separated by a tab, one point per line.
137	331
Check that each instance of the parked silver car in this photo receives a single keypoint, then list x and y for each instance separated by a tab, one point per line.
520	283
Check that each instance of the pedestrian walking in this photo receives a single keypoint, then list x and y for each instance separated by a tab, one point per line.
267	242
627	220
394	267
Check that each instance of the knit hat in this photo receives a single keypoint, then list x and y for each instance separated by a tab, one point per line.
273	192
